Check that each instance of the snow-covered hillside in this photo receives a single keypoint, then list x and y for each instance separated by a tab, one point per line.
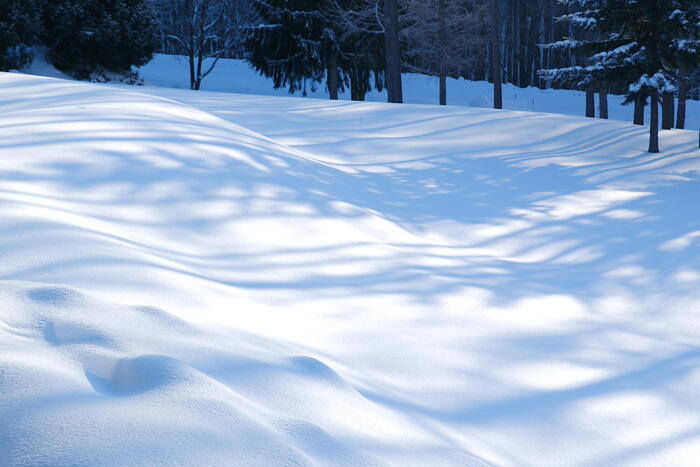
228	279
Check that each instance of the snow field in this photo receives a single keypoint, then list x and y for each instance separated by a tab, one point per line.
236	279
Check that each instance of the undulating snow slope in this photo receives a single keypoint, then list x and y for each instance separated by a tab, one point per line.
239	77
218	279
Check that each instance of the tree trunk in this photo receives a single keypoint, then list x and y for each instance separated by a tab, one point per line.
639	110
537	37
590	102
442	44
682	98
332	77
654	123
603	102
514	47
358	81
548	33
392	51
201	34
522	44
198	80
356	88
496	55
667	108
192	78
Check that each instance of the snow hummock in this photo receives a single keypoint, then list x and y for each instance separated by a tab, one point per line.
228	279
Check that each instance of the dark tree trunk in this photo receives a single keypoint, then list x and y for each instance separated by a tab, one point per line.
668	110
537	37
513	71
590	102
655	62
522	44
639	110
654	122
392	51
496	55
682	98
509	48
603	102
358	81
442	40
548	33
356	94
192	78
198	79
333	76
191	58
201	31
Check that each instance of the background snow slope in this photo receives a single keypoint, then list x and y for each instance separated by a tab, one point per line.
230	279
238	76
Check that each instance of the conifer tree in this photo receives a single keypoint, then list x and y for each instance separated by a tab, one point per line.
301	42
644	44
294	46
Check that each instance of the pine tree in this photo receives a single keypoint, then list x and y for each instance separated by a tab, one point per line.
301	42
294	46
644	45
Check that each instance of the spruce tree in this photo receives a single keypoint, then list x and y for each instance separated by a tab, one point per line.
301	42
294	46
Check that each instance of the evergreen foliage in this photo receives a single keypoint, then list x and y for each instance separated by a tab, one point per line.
292	44
299	42
643	43
88	36
19	28
647	45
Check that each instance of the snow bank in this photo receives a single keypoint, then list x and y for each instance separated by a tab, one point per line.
233	279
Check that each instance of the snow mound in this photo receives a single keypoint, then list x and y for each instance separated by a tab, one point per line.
80	386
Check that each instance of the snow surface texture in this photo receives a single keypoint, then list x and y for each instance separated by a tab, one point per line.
238	76
217	279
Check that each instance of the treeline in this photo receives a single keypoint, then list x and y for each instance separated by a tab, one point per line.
646	50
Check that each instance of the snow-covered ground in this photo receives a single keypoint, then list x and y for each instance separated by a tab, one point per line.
229	279
237	76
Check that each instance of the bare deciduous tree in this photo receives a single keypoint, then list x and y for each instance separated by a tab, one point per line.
203	30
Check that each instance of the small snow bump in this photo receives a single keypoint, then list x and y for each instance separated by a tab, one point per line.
310	366
133	376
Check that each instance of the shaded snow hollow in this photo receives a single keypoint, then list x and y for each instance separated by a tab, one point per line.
202	278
